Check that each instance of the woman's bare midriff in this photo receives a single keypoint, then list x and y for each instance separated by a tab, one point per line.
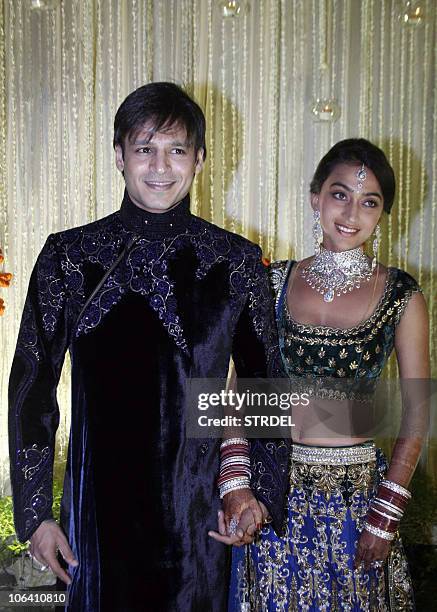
331	423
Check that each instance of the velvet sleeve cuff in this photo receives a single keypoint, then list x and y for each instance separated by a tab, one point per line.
270	481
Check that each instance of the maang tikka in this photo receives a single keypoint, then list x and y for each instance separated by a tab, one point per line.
361	177
317	232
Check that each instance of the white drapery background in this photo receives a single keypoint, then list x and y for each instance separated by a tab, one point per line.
64	72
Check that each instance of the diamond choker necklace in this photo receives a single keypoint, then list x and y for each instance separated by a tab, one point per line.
332	273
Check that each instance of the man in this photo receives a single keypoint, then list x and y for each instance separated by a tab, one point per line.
144	299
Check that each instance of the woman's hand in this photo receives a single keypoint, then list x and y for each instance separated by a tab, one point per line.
245	530
242	516
235	503
371	549
245	509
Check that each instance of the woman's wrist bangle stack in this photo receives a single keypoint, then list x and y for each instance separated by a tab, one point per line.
386	510
234	466
379	532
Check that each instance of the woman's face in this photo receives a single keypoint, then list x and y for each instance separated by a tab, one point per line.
350	204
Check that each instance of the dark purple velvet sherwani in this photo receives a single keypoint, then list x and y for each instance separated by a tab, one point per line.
181	296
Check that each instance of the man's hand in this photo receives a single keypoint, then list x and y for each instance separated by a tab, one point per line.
371	549
44	545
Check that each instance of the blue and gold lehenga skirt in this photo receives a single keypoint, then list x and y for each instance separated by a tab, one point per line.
311	568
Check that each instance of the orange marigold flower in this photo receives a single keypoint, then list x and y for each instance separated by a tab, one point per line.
2	307
266	261
5	279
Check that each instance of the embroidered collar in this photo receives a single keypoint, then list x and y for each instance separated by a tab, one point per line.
156	225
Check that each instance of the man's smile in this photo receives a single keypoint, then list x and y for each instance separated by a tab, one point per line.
159	185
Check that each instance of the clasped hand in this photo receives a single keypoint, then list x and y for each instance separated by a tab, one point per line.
239	506
242	506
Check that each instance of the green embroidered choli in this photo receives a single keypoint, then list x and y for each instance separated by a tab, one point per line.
357	352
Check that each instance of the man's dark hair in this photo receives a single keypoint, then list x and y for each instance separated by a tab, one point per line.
358	151
163	105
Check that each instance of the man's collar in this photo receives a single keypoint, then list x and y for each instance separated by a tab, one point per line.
155	225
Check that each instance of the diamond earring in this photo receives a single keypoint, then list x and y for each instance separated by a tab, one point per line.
317	232
375	245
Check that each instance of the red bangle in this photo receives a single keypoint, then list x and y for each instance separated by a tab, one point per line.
393	498
233	474
232	451
382	523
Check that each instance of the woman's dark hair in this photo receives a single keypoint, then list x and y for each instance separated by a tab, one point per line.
358	151
163	105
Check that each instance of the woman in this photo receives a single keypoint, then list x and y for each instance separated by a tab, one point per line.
339	315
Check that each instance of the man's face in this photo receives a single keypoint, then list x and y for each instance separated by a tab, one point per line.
159	171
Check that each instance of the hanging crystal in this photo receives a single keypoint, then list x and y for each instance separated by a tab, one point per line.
324	108
232	8
412	13
325	111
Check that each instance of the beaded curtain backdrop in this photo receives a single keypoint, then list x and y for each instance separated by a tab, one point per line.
280	81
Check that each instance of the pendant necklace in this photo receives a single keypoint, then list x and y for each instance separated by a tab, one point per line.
331	273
